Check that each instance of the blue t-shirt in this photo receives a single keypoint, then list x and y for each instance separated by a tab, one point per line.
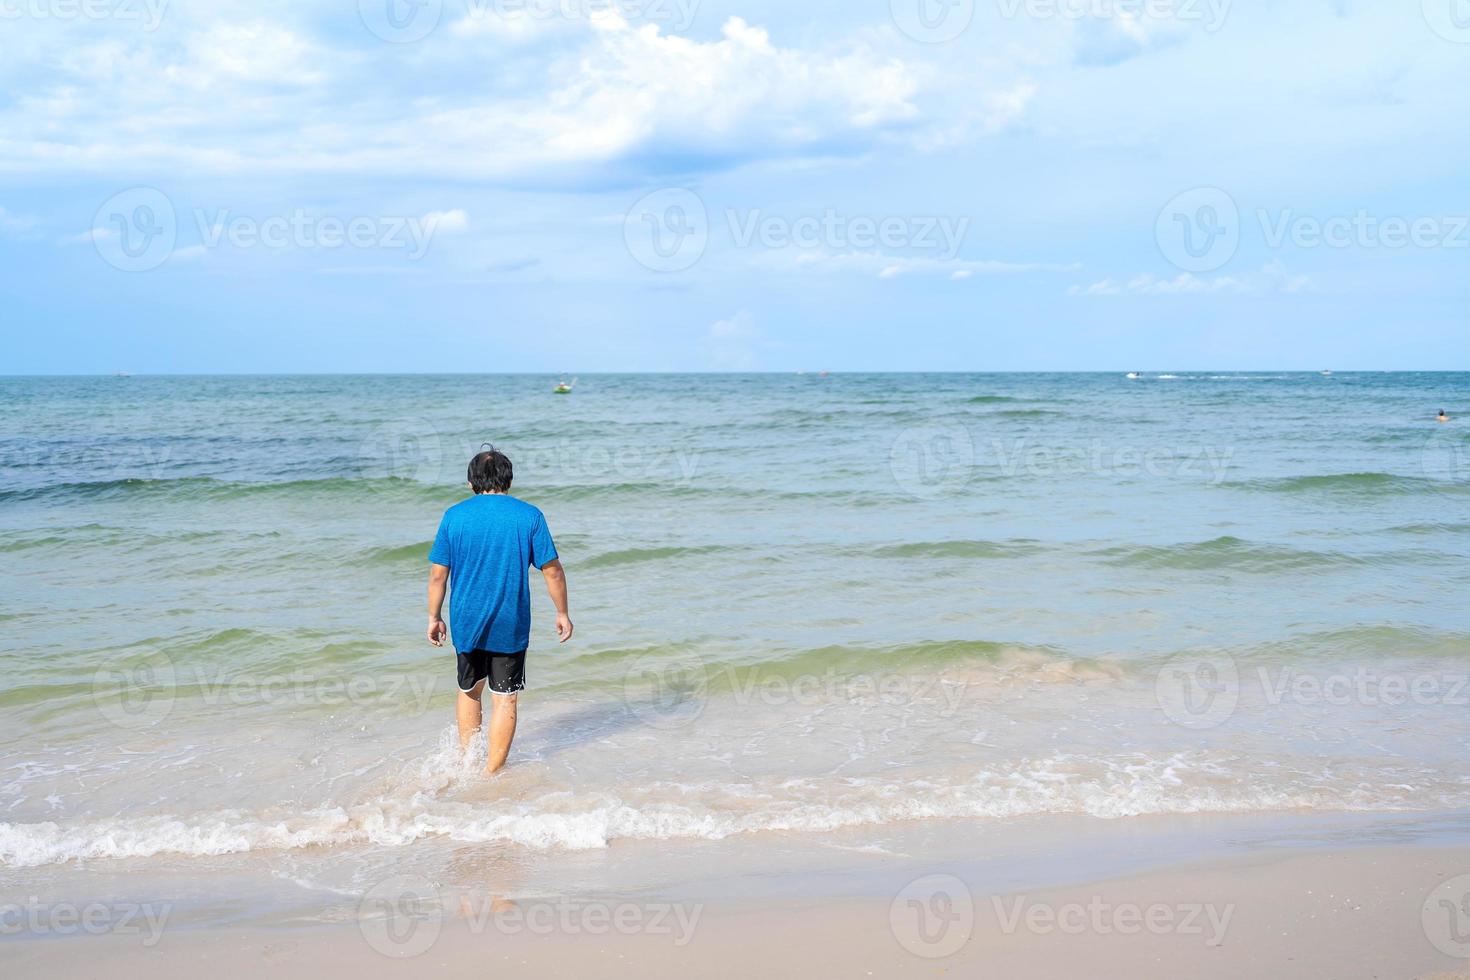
488	542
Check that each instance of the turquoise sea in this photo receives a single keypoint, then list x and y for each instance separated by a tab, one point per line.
806	606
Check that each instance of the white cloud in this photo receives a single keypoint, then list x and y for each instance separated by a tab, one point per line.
252	97
90	236
734	344
1271	278
1284	281
1185	283
251	52
481	22
446	222
892	267
10	222
1104	288
1116	35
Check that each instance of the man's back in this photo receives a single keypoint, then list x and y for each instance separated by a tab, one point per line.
483	548
488	542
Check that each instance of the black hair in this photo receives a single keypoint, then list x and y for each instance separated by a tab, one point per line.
490	472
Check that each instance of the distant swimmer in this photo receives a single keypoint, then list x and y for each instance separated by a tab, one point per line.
1442	416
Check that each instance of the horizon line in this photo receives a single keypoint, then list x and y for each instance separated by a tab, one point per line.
782	372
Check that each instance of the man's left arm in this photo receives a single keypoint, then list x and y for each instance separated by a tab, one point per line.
438	585
556	587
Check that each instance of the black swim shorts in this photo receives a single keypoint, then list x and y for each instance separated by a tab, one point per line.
505	672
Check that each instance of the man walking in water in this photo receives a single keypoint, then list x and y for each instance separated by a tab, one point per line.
484	549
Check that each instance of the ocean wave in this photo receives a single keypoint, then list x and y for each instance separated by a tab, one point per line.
206	488
575	492
1371	642
635	556
45	541
1108	787
1367	484
402	554
1019	548
1235	553
1427	528
379	489
971	662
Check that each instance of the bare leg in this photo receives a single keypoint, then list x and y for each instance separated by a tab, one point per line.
467	712
502	730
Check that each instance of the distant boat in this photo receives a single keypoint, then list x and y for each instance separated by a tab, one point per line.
1134	375
1326	374
563	388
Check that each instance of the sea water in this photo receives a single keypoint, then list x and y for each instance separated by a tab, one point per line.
805	605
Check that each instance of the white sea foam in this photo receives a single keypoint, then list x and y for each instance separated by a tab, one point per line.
1109	787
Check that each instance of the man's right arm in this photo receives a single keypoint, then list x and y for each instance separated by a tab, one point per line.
556	587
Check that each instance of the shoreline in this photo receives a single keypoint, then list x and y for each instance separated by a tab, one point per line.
1299	895
1354	913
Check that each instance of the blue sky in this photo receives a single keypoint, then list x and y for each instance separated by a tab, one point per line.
660	185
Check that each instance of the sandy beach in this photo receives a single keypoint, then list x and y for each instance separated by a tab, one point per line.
1366	912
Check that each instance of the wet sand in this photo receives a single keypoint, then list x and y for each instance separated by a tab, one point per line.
1359	912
